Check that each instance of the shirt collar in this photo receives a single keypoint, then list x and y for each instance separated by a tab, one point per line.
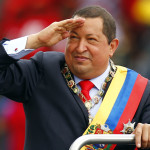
98	81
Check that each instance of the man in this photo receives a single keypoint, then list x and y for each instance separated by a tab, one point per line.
49	84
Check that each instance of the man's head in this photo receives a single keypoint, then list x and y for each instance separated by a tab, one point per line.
90	46
109	26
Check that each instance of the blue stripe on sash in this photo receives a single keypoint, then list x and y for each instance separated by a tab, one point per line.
122	99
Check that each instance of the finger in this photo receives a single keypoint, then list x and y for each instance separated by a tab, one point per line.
71	23
71	26
72	20
148	137
65	35
60	29
138	134
79	21
144	138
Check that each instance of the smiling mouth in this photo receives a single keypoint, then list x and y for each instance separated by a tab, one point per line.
81	58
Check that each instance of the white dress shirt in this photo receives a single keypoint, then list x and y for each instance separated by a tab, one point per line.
98	81
16	49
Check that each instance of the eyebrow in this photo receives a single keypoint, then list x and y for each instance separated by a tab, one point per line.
74	32
95	35
86	35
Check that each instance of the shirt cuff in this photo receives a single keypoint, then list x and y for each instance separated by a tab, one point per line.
16	48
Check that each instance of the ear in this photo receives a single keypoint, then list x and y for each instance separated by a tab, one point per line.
113	46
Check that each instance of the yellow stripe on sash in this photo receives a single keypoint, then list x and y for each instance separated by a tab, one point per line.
110	97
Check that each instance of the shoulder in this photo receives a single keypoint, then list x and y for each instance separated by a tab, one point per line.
52	55
49	59
49	56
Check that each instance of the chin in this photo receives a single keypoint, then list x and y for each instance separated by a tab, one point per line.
80	70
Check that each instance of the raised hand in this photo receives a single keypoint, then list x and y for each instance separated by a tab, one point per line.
54	33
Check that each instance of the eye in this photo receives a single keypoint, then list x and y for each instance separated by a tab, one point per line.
73	37
92	39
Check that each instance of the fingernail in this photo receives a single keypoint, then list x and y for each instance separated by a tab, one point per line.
138	145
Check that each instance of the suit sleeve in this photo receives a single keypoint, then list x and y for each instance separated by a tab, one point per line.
145	117
142	114
18	78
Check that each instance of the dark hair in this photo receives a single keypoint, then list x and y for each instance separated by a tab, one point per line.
109	26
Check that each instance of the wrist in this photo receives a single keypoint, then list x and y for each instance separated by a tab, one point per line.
33	42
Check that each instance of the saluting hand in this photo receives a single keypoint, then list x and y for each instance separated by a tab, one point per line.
54	33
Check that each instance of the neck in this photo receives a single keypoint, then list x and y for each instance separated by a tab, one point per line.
103	75
92	75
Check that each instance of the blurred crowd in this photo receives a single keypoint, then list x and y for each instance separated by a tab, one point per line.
20	18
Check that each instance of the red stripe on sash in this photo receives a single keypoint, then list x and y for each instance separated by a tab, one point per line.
132	104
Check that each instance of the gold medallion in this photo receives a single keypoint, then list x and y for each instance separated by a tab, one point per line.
75	90
96	99
88	105
71	83
101	92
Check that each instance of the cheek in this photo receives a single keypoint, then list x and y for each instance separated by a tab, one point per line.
67	51
69	48
68	54
100	56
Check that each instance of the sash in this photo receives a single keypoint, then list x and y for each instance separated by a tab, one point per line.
118	107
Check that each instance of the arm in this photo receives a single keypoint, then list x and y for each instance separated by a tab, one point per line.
18	78
49	36
142	130
16	75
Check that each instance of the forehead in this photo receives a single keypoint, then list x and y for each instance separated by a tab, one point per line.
91	26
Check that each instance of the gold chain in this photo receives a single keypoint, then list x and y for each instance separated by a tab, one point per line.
100	94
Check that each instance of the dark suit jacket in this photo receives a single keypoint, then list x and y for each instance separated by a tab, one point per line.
55	116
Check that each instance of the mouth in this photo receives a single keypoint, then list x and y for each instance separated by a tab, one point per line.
81	58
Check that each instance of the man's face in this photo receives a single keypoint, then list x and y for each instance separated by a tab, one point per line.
87	52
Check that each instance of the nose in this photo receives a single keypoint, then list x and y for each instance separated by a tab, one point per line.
81	47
